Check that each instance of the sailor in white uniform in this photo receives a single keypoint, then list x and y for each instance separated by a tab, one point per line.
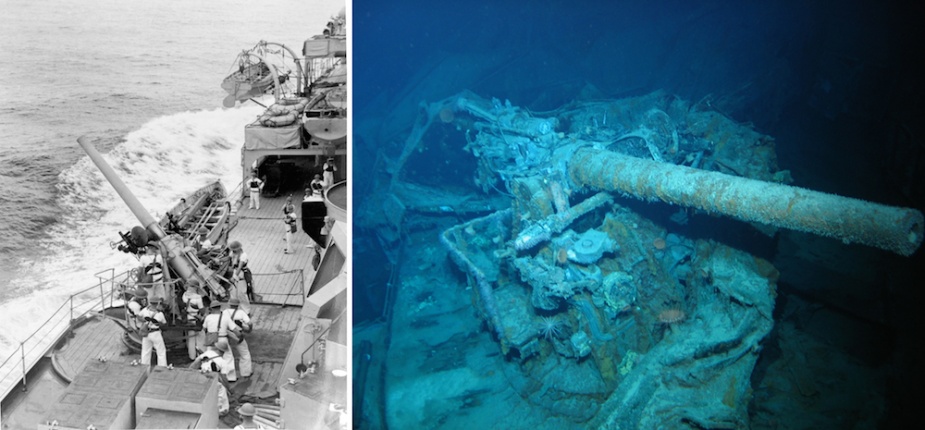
212	360
254	185
152	319
329	169
239	324
192	298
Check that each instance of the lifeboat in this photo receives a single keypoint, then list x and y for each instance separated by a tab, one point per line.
248	81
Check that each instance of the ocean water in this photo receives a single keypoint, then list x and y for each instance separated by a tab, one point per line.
141	79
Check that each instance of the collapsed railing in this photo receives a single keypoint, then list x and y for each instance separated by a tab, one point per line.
79	305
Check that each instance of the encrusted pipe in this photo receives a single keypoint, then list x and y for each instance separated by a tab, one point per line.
850	220
543	230
485	290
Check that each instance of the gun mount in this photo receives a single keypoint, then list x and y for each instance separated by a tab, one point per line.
511	144
183	262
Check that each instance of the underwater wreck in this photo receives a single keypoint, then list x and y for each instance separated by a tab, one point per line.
603	317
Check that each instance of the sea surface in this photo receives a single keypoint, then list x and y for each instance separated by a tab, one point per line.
141	80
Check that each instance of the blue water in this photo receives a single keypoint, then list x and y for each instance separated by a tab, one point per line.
141	79
834	83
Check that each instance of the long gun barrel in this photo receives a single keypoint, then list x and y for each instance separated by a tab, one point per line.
147	221
891	228
185	266
850	220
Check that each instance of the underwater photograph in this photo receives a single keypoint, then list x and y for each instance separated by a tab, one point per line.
637	214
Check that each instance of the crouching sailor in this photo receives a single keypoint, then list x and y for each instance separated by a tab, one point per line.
152	319
212	361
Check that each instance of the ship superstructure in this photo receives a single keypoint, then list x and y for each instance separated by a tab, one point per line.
80	368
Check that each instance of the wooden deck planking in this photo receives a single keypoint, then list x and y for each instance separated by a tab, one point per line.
267	371
93	339
264	379
261	233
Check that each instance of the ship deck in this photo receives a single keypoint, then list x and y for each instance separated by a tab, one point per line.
279	282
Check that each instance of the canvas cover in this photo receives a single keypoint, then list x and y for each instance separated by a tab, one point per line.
336	77
257	136
325	47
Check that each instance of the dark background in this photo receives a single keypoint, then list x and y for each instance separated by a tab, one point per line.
838	84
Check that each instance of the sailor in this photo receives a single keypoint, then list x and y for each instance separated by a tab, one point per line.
290	221
152	319
213	360
247	412
316	186
329	169
326	228
329	28
239	268
316	258
255	185
135	305
215	327
193	301
239	324
152	273
288	208
202	243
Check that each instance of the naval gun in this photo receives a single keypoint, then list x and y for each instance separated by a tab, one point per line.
181	260
556	286
512	144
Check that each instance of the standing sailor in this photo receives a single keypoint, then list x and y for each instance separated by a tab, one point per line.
288	208
255	185
152	320
239	268
193	301
289	218
290	228
135	305
152	273
329	169
239	324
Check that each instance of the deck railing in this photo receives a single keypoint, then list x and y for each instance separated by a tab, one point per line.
294	279
14	368
236	197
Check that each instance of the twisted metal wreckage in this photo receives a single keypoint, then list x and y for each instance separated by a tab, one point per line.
671	324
